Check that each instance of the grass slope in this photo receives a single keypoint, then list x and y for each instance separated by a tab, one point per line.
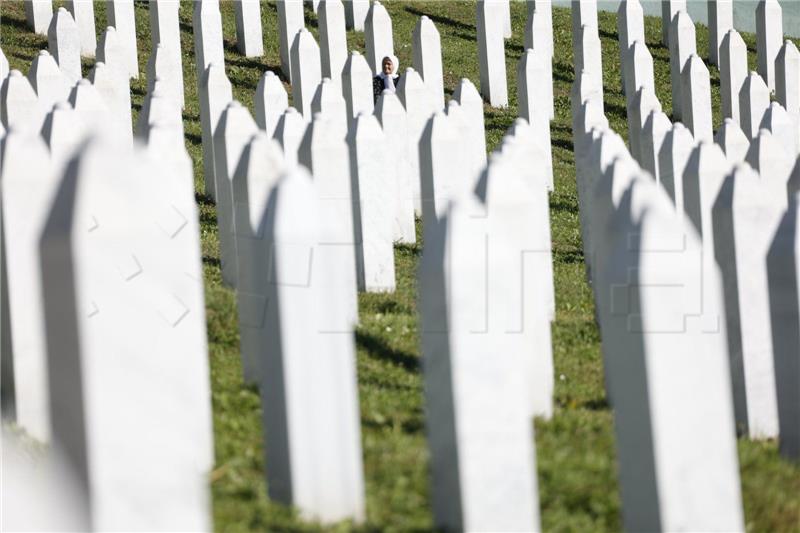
576	453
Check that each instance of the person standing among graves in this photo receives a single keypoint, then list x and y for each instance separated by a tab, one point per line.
387	79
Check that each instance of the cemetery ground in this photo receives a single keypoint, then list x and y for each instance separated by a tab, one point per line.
575	450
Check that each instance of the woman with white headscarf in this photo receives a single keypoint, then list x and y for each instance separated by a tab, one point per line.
387	79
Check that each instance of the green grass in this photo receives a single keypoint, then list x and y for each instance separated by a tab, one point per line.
575	450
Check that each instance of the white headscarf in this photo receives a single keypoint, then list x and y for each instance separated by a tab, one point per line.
388	81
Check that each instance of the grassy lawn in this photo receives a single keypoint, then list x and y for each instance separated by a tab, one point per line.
575	450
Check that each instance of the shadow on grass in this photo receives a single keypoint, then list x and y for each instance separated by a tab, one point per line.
438	19
212	261
376	347
204	199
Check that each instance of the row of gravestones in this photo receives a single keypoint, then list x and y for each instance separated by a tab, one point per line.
295	248
690	240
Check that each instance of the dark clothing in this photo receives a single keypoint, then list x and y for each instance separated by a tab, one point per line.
377	86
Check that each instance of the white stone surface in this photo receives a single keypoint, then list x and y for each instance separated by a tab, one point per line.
672	158
132	292
505	15
4	68
655	129
419	106
539	36
638	69
306	71
373	192
91	107
165	30
332	38
732	73
746	217
393	119
28	184
110	51
669	8
440	169
161	65
767	156
357	86
64	44
644	102
491	53
483	464
63	131
233	132
290	20
584	13
475	135
378	38
270	101
356	13
160	108
329	101
50	84
19	106
249	38
681	46
720	22
590	55
630	28
428	58
769	37
787	78
38	14
207	29
289	134
753	103
696	94
114	88
120	14
732	140
784	129
83	13
215	94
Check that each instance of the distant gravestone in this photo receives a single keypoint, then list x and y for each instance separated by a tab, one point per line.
669	8
638	67
270	102
90	106
329	101
505	15
531	70
769	35
784	128
28	184
682	45
590	57
63	41
475	136
428	58
440	178
215	94
491	54
234	131
630	28
110	51
249	39
539	37
290	20
720	22
306	71
38	14
113	87
207	29
394	122
732	73
745	220
161	65
289	134
773	164
50	84
19	106
308	382
584	13
357	86
160	108
356	13
379	42
787	78
733	141
644	102
753	103
696	94
672	158
332	38
655	129
63	131
372	192
165	30
120	14
419	106
83	13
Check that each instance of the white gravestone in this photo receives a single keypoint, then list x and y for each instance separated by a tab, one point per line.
379	42
767	156
28	184
539	36
234	131
480	437
90	106
38	14
249	38
289	134
260	168
329	101
332	38
215	94
753	103
678	462
491	53
161	65
64	132
720	22
769	36
638	68
732	140
696	94
784	129
529	71
584	13
783	261
120	14
372	192
110	51
271	100
290	20
306	71
114	88
124	266
419	105
355	12
394	122
4	68
682	45
19	106
672	158
669	8
644	103
745	220
506	17
64	43
440	176
357	86
50	84
428	58
165	30
325	153
83	13
475	135
732	73
787	78
207	29
630	28
160	108
590	57
308	384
